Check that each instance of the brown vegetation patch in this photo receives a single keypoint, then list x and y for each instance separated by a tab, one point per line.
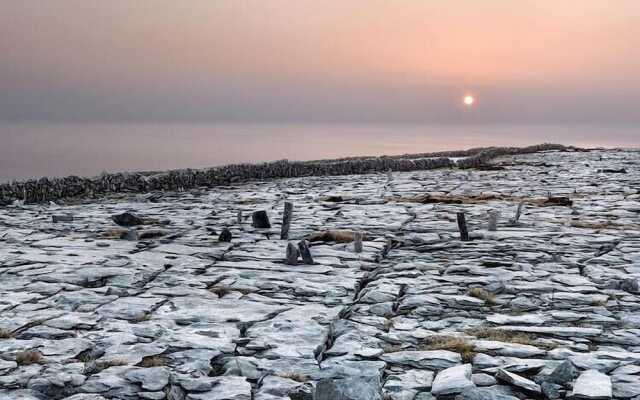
506	336
5	334
152	361
452	343
294	376
482	294
220	291
29	357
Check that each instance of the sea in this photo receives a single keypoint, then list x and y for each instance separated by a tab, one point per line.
37	149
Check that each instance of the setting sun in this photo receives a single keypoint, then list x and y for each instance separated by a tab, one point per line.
468	100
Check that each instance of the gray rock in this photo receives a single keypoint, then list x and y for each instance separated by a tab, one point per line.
452	380
151	379
432	359
563	374
518	381
483	393
353	388
483	379
127	219
592	384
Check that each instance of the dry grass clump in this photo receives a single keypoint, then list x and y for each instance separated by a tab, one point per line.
482	294
452	343
29	357
220	291
392	348
152	361
5	334
502	335
95	367
294	376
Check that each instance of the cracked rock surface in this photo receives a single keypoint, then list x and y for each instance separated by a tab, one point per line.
546	306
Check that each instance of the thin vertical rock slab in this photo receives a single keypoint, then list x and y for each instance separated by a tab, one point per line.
260	219
357	241
493	220
462	227
593	385
303	247
286	220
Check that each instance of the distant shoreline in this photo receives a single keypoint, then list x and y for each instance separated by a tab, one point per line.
51	189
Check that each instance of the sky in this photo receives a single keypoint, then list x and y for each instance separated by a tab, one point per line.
538	61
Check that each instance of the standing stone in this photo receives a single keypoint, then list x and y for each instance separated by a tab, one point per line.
462	227
514	220
592	384
493	220
286	220
239	217
452	380
260	219
292	254
357	241
225	235
303	247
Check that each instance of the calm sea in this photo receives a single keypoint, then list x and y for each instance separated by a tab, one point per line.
44	149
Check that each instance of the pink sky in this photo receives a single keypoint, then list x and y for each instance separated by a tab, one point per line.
320	60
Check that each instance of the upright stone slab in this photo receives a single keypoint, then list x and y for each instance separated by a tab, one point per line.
493	220
292	254
260	219
462	227
225	235
303	247
357	241
286	220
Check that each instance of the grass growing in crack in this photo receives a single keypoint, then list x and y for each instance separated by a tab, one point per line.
5	334
95	367
482	294
506	336
294	376
152	361
29	357
388	324
452	343
220	291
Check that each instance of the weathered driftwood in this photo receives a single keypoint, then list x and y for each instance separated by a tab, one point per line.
51	189
338	236
462	227
286	220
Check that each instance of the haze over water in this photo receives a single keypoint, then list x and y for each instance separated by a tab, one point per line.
46	149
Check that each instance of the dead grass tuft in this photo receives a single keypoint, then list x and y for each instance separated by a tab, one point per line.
294	376
506	336
29	357
452	343
482	294
153	361
5	334
220	291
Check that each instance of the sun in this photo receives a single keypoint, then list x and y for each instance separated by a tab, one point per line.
468	100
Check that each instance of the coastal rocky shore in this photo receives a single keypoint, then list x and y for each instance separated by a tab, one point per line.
510	274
